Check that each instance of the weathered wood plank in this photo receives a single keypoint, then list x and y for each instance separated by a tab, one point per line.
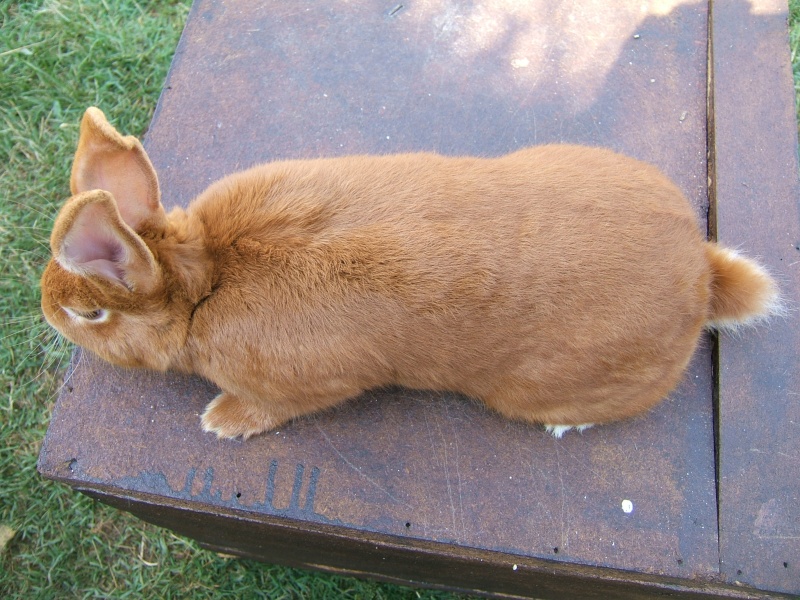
757	194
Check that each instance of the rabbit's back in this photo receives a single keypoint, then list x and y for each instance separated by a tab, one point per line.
553	268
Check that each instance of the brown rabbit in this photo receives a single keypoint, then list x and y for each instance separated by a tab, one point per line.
559	284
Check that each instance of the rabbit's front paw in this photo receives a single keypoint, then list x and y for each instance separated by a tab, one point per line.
229	417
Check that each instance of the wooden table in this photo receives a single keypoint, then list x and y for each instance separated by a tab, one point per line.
428	488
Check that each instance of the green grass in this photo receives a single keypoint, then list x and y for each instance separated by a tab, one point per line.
56	58
794	46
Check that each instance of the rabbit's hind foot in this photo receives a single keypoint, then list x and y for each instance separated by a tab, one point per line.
558	430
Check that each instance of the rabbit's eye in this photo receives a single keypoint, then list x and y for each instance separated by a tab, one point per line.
98	314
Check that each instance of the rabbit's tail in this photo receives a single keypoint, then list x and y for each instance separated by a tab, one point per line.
742	292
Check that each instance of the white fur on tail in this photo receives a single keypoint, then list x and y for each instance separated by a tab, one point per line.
744	293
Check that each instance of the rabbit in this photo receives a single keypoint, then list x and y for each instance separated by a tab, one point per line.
560	284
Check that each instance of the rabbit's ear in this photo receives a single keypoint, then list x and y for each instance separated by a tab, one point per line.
90	238
105	160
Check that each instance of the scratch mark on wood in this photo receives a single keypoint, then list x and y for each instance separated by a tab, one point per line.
360	472
564	508
585	463
458	473
447	477
430	435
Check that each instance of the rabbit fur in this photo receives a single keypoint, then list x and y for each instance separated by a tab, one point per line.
559	284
